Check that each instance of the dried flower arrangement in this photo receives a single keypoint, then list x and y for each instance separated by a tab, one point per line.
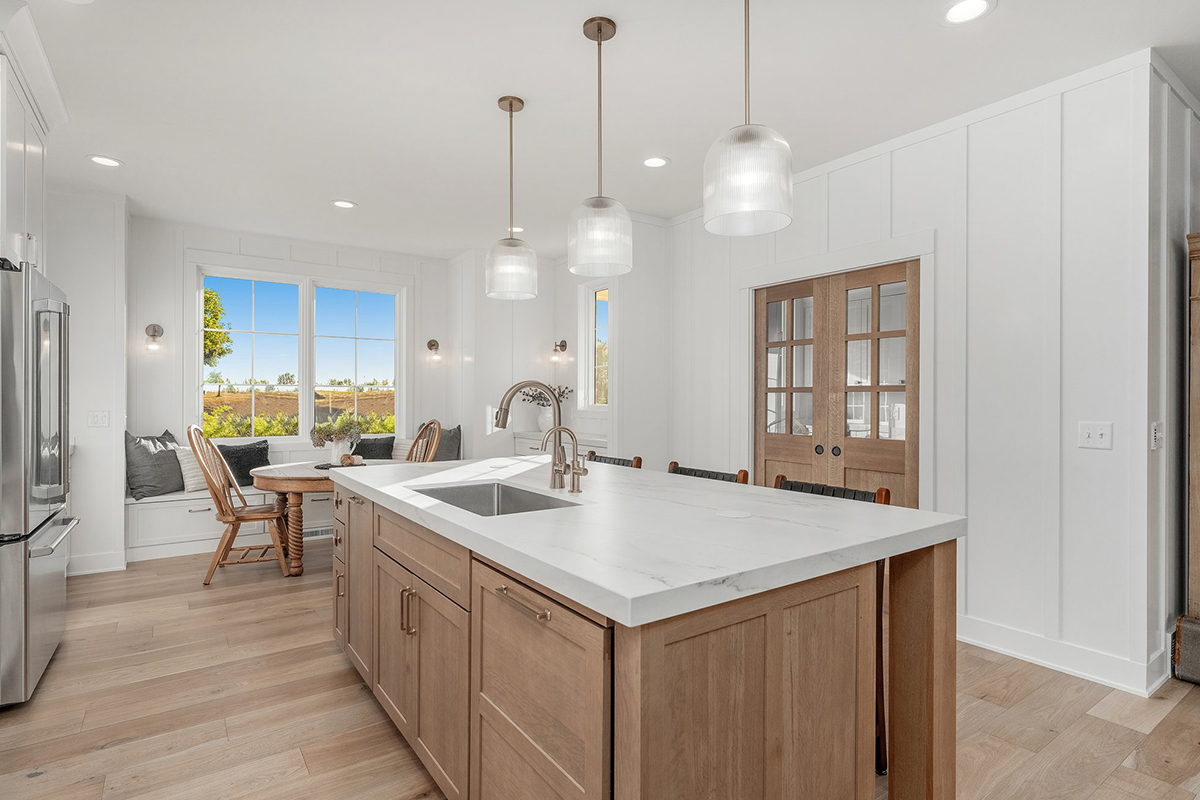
344	428
539	398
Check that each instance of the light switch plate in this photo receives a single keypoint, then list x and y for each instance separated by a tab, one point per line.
1095	435
97	419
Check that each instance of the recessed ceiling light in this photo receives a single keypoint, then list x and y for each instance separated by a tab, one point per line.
81	2
105	161
657	161
961	11
517	229
344	203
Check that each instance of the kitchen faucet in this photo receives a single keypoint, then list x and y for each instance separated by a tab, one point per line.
559	461
575	469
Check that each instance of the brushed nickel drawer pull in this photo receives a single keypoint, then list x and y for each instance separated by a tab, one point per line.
341	592
410	629
199	510
358	501
540	616
320	499
404	608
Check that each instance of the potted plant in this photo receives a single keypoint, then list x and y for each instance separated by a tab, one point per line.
343	432
538	398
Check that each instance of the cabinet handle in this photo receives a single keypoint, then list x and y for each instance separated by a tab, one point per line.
199	510
358	501
410	629
337	540
404	608
337	503
341	587
540	616
320	499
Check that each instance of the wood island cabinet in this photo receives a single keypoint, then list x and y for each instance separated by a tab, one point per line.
359	561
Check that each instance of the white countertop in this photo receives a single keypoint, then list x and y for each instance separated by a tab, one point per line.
643	545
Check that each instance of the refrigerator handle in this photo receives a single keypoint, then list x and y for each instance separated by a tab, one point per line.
64	405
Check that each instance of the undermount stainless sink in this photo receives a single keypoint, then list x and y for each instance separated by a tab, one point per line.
493	499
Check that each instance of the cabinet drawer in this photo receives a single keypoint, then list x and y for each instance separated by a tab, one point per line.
318	510
541	695
167	523
444	565
339	602
339	539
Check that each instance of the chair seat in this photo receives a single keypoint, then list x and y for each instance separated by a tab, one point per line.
254	513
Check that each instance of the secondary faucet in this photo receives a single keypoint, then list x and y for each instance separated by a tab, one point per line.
560	454
575	469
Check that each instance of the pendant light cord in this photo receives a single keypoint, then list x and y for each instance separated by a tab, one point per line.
510	170
747	47
599	116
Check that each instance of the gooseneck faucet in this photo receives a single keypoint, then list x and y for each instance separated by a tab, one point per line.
560	454
575	468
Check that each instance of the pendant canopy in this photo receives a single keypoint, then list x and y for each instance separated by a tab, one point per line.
600	232
511	272
748	175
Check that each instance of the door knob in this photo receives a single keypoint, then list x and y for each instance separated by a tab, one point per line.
837	451
819	449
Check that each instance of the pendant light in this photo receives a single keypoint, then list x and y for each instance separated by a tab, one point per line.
748	175
511	272
600	232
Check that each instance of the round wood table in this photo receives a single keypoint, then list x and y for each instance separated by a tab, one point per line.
290	482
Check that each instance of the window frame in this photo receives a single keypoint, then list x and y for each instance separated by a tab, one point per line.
585	397
404	368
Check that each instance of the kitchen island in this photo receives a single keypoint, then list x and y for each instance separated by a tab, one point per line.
654	637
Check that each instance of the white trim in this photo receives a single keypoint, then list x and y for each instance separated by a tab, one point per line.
89	563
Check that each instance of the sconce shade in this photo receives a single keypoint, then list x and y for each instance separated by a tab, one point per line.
511	272
154	333
748	182
600	238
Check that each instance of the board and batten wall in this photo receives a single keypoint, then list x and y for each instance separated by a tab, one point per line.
163	259
1050	228
85	257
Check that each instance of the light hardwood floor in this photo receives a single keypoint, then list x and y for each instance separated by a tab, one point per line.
168	690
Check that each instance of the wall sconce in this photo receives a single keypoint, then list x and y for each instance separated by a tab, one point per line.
153	335
432	345
559	349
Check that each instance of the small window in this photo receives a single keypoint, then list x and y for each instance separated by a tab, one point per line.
600	347
251	356
354	349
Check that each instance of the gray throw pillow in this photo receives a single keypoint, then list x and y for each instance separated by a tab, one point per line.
152	465
450	445
376	447
242	458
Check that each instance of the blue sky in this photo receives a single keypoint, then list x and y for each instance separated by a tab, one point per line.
273	308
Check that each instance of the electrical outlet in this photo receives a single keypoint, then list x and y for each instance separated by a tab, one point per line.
1095	435
97	419
1156	435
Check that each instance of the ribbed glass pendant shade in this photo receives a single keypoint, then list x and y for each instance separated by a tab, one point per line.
600	238
748	182
511	272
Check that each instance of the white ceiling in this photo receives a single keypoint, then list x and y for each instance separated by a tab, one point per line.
254	114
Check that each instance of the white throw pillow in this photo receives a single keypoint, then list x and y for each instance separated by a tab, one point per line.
193	476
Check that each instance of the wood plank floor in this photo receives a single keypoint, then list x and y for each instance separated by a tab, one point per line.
165	689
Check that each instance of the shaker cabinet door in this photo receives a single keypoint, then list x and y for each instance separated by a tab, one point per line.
339	602
360	558
395	675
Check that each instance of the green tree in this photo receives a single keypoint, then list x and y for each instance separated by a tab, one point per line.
286	379
215	377
217	343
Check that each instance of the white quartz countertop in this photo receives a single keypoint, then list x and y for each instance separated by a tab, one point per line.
642	546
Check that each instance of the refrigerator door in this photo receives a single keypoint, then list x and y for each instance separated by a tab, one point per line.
46	590
15	330
49	470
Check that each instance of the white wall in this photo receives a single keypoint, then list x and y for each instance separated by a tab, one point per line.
87	261
163	259
1034	219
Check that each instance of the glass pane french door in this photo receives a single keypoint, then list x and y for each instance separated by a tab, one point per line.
836	380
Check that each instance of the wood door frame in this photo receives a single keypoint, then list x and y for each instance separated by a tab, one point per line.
912	247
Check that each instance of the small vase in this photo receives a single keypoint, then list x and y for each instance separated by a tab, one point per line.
341	447
546	419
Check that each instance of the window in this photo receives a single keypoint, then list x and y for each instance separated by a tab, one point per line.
251	358
598	367
354	348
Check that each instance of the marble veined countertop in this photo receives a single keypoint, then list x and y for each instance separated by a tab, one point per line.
641	545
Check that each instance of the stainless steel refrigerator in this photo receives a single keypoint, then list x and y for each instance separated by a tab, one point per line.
35	475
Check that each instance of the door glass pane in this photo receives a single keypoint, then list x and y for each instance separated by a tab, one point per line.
775	367
775	412
891	361
858	415
775	321
802	309
858	362
891	415
802	366
858	310
802	414
892	301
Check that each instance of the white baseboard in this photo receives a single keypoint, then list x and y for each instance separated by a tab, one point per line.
1103	668
88	563
172	549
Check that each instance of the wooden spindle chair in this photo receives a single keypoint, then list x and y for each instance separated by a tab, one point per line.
223	488
425	446
741	476
635	462
880	496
